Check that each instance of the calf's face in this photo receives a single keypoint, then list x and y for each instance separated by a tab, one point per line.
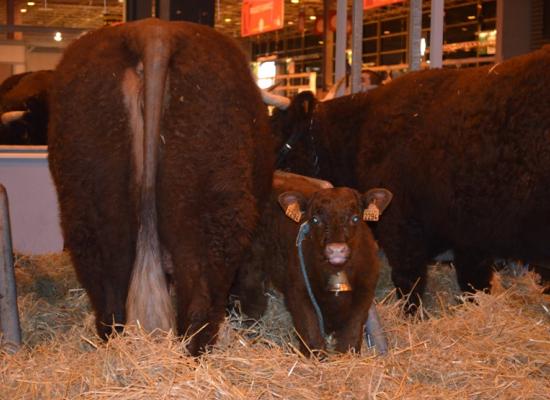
336	218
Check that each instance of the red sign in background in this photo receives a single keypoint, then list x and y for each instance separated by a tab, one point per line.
258	16
378	3
319	23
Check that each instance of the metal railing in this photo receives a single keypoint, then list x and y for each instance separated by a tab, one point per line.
291	84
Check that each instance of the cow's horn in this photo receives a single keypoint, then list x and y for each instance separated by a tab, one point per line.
272	99
10	116
332	92
280	177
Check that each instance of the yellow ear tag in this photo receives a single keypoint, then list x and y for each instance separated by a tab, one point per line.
293	212
371	213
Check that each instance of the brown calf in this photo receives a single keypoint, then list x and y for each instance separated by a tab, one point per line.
339	254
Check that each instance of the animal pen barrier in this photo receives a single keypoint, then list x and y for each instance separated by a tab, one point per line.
34	211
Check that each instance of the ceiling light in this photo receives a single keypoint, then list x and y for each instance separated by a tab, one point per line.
227	20
471	17
58	37
23	10
291	22
312	17
30	3
294	1
387	32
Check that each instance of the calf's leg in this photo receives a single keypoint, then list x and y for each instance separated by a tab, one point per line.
350	335
305	319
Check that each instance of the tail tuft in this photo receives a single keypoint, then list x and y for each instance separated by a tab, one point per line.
149	301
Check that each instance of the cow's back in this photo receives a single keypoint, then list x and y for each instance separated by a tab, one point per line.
213	122
464	149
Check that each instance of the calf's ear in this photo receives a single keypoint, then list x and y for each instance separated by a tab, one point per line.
376	200
293	204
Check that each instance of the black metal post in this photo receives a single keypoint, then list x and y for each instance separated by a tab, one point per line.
198	11
139	9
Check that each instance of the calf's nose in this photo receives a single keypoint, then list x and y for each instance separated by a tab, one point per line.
337	253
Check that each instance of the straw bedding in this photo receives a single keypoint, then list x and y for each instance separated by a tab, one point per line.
493	347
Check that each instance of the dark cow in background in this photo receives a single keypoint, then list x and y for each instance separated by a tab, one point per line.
466	154
161	154
340	260
24	108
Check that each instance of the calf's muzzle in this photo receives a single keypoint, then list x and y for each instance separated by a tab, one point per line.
337	253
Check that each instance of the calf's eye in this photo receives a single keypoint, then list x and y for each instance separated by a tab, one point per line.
355	219
315	220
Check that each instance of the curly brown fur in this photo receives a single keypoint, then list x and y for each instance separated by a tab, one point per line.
214	168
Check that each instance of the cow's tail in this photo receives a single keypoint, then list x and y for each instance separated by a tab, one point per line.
148	301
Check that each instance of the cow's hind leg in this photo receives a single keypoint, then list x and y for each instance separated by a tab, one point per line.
200	306
200	286
102	261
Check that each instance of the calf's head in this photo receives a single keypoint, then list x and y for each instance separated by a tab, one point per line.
337	219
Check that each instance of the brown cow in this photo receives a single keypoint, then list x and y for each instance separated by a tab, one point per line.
24	108
340	260
160	150
465	152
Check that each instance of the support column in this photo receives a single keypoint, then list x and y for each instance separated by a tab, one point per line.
328	48
139	9
436	34
513	28
357	46
10	16
164	9
340	56
198	11
415	34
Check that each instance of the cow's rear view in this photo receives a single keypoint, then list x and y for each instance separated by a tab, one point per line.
160	154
